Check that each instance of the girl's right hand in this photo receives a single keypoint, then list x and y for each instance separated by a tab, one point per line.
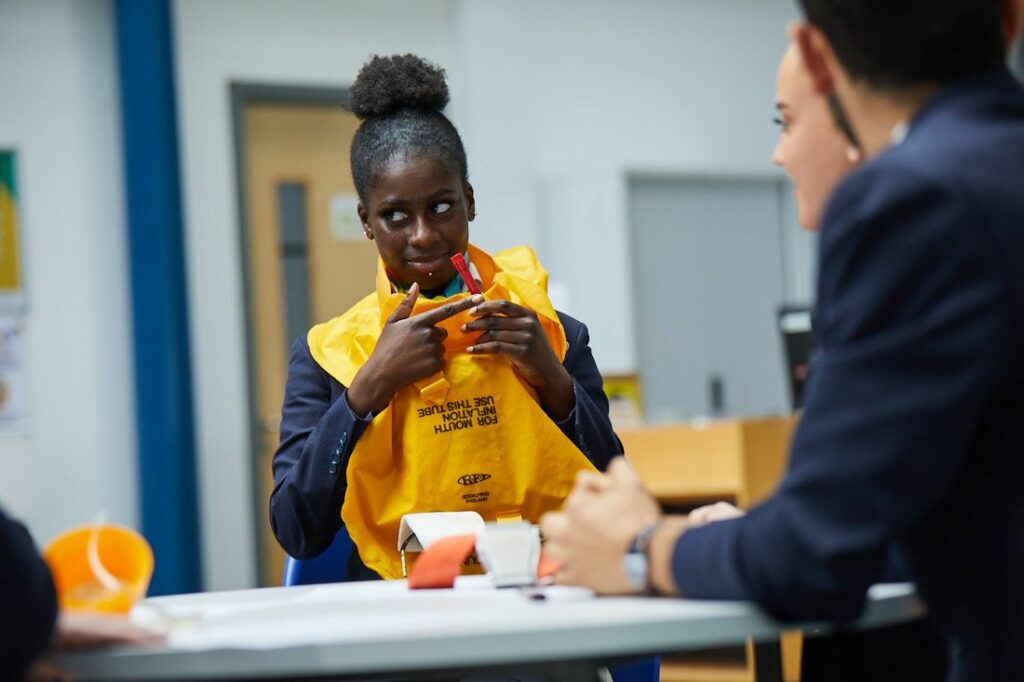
408	349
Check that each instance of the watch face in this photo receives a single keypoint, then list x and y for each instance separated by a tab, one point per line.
635	566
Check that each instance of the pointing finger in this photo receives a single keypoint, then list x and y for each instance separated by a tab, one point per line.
449	310
404	308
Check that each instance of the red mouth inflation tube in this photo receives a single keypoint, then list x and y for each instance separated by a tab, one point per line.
463	269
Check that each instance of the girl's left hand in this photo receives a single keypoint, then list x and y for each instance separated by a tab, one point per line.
515	332
720	511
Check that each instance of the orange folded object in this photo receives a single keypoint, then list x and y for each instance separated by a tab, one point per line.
547	567
439	565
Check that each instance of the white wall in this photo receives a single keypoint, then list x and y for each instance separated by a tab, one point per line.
563	99
315	42
60	113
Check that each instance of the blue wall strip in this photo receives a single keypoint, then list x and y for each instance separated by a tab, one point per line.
167	489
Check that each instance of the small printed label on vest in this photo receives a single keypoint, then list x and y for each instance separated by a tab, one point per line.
456	415
472	479
477	498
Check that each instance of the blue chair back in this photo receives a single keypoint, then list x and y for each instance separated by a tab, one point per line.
327	567
642	670
330	567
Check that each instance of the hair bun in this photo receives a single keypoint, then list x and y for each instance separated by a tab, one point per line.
387	84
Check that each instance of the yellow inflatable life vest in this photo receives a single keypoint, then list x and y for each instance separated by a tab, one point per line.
471	438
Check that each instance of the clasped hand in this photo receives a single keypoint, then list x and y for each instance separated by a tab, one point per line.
412	347
409	348
600	520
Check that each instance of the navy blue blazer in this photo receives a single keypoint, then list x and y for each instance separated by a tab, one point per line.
319	432
28	602
913	428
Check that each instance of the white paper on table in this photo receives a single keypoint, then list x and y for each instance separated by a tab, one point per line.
273	618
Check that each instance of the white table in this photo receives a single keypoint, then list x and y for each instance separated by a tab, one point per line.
383	628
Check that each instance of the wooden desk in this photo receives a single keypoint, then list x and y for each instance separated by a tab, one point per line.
691	464
688	465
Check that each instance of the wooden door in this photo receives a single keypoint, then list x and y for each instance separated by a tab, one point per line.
306	258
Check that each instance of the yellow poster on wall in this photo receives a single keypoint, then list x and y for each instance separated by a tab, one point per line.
10	270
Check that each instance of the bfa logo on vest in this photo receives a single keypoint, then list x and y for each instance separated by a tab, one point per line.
473	479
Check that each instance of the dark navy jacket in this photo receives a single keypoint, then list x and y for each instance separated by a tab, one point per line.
913	428
28	602
319	432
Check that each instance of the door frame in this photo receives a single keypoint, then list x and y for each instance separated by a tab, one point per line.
243	94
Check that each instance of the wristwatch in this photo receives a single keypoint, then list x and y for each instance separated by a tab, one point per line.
636	563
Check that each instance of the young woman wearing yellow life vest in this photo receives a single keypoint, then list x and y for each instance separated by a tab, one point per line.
422	397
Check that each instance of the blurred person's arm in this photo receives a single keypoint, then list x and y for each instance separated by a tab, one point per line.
318	434
28	602
915	338
76	631
895	397
895	569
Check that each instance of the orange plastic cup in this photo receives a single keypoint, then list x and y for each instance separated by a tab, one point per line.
124	554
